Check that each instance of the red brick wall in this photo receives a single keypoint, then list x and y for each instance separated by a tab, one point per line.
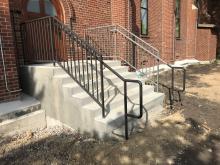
181	44
85	14
206	45
154	36
90	14
162	28
186	46
168	30
9	54
191	31
213	45
119	11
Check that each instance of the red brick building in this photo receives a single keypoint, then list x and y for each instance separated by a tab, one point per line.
169	25
9	86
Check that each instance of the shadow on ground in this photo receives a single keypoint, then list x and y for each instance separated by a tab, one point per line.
174	140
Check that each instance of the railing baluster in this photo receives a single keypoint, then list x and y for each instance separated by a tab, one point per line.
78	60
126	110
52	41
158	71
83	66
70	54
102	87
87	64
43	43
31	41
97	83
40	40
74	53
91	58
66	52
47	39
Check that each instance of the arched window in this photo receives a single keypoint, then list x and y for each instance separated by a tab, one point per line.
144	17
42	7
33	6
49	8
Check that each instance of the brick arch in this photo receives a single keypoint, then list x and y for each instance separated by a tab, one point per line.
67	10
66	5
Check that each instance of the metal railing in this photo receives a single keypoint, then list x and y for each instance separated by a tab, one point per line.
116	42
49	40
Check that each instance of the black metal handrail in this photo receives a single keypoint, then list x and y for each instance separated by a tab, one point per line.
49	40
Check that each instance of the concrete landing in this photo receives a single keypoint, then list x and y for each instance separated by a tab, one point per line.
24	114
24	105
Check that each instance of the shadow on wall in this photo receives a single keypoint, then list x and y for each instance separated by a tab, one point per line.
29	84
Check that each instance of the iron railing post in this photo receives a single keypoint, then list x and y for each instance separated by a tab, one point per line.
115	35
126	110
184	79
102	87
158	72
172	86
52	40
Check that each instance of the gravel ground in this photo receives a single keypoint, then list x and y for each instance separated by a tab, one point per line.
188	135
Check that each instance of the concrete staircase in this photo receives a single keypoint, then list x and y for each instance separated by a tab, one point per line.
74	107
24	114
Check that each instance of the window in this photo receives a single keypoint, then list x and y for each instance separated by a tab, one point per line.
49	8
44	7
144	17
177	17
33	6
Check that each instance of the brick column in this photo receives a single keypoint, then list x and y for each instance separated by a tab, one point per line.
119	9
9	55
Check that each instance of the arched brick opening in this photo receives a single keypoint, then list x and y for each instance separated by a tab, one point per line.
17	6
17	17
68	11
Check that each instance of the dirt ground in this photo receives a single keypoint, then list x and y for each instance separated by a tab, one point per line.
188	135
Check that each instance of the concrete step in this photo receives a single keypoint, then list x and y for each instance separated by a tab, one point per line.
135	126
59	70
73	88
90	75
113	95
90	112
14	109
114	121
63	79
28	122
149	101
21	115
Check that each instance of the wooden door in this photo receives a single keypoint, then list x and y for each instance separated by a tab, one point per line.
39	33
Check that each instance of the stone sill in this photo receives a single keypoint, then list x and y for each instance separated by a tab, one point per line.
206	26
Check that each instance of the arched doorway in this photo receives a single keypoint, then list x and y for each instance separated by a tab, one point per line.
33	9
44	40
